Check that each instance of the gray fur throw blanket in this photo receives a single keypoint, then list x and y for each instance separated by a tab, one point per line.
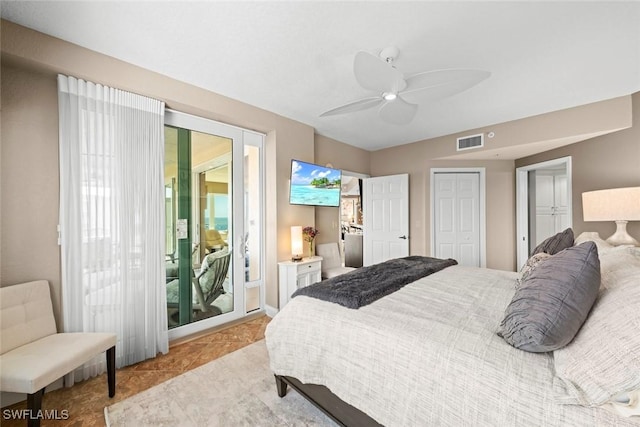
365	285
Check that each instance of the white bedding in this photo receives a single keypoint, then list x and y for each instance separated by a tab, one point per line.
426	355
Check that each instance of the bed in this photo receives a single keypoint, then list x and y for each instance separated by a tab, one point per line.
429	354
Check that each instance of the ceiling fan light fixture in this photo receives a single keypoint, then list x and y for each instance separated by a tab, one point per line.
398	96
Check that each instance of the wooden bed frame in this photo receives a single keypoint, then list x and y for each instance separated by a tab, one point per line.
335	408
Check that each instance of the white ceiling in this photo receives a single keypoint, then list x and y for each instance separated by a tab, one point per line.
296	58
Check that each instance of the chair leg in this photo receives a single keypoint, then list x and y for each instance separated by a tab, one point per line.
111	370
34	405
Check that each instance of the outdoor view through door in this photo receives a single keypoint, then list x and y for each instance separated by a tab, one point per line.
212	207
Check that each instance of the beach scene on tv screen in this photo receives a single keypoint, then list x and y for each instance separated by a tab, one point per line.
314	185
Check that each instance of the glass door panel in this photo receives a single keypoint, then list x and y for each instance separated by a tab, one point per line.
214	197
178	240
199	192
253	215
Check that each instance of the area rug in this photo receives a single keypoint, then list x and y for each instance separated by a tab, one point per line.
235	390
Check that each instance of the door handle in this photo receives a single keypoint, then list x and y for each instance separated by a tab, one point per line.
241	243
403	237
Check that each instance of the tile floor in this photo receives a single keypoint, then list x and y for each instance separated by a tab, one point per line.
85	401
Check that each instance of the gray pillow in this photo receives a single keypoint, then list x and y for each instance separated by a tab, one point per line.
556	243
552	303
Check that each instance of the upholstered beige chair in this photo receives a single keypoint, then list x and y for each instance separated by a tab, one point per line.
331	260
33	354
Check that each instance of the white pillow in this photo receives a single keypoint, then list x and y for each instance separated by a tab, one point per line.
593	236
603	360
617	264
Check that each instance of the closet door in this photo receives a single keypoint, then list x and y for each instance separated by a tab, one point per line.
561	203
457	217
545	206
552	210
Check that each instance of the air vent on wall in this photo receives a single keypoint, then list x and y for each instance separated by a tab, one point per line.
468	142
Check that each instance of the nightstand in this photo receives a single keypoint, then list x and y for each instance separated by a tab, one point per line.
297	274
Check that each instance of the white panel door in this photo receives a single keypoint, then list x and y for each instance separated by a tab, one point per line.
545	221
552	211
457	217
386	218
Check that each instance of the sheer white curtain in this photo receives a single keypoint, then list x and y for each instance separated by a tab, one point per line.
112	219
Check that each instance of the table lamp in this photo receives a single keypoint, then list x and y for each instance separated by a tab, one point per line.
296	243
616	204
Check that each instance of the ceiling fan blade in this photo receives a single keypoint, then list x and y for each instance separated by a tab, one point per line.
375	74
359	105
398	111
433	85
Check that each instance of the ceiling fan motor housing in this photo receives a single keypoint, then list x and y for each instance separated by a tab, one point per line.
389	54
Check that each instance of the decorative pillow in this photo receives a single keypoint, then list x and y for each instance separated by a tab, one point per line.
593	236
531	265
604	359
556	243
553	302
618	264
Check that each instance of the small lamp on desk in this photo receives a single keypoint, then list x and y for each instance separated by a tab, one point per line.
296	243
617	204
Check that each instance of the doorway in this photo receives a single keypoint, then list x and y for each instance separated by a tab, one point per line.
351	218
458	215
543	203
214	223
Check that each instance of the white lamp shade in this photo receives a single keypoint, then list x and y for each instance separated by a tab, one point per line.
296	240
616	204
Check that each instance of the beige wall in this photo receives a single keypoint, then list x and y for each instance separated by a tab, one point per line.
415	160
521	136
340	156
29	215
608	161
29	176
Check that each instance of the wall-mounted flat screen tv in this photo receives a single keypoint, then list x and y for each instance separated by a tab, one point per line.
314	185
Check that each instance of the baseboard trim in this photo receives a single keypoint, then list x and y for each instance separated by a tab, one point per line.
218	328
270	311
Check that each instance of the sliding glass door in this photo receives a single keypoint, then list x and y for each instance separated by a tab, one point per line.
214	223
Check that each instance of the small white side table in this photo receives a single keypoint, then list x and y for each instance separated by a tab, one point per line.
297	274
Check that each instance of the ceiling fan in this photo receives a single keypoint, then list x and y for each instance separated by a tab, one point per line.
397	96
